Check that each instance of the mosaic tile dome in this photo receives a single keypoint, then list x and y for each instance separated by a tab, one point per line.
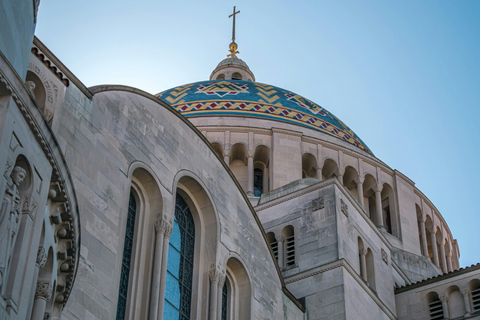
246	98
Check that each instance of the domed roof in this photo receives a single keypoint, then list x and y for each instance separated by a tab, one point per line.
232	61
246	98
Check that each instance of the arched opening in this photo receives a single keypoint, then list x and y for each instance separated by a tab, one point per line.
289	234
428	231
221	76
37	89
420	225
370	269
362	262
226	300
205	221
178	292
456	304
309	166
388	210
218	149
474	287
435	307
272	241
369	186
350	179
241	289
238	164
142	207
236	76
261	160
329	170
439	240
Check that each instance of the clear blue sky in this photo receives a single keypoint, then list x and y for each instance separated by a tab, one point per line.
404	75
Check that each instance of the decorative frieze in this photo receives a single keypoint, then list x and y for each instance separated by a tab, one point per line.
344	207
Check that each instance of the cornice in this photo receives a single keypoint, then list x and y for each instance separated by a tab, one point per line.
287	132
235	129
54	64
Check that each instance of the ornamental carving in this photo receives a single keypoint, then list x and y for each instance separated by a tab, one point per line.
161	226
280	238
384	256
10	219
221	281
344	207
215	275
44	290
318	204
41	257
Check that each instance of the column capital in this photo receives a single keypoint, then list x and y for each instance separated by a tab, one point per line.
215	275
363	252
466	292
41	257
444	299
43	290
280	238
221	281
377	188
163	227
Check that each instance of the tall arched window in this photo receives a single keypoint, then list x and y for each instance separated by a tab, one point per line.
178	291
127	254
225	301
257	182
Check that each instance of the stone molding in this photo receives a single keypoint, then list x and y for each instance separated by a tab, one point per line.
44	290
41	257
287	132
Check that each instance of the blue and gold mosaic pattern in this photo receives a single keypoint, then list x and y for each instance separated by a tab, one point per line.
245	98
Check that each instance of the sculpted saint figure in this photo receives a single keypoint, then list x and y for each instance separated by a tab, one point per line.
9	220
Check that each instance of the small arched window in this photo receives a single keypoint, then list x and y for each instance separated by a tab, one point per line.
474	287
178	290
435	307
236	76
126	260
257	182
289	246
221	76
273	243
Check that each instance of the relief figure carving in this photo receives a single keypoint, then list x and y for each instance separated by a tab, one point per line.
10	213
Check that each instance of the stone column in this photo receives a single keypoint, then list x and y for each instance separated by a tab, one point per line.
378	208
363	263
442	257
466	300
423	235
221	282
319	173
214	281
161	226
434	249
163	275
281	251
446	314
226	159
360	193
42	295
250	176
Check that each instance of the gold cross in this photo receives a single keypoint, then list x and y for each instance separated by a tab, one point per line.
233	46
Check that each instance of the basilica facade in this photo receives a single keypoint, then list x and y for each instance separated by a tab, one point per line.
221	199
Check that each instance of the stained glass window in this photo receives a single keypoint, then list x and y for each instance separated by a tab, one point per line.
257	182
127	255
178	291
224	300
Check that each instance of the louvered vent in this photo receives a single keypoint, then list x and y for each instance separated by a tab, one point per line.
436	310
290	250
476	300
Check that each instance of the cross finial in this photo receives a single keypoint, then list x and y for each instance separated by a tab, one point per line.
233	45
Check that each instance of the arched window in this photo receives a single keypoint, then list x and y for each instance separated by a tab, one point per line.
127	254
289	246
273	243
178	291
474	287
257	182
236	76
434	306
225	301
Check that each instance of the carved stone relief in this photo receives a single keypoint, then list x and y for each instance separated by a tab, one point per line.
344	207
318	204
9	220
